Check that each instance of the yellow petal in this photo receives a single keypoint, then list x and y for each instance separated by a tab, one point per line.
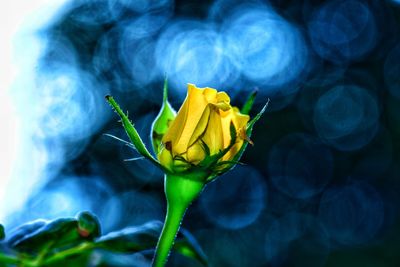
213	136
186	120
195	153
223	97
210	94
226	118
233	151
201	126
165	157
205	117
223	101
240	122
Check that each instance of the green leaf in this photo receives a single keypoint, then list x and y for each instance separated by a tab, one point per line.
131	239
71	242
188	246
25	231
249	103
34	238
132	133
145	237
162	122
2	233
60	231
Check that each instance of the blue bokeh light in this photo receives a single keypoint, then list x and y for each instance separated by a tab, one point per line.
138	57
247	44
297	239
193	52
69	108
263	46
130	208
91	13
343	30
352	214
121	7
300	165
235	200
346	117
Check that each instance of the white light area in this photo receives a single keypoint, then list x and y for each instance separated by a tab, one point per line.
18	21
8	142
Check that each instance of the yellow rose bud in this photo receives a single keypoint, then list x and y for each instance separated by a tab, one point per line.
205	139
202	128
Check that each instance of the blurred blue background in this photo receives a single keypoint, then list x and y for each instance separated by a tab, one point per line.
321	185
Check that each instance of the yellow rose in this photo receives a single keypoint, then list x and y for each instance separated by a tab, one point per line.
205	139
202	128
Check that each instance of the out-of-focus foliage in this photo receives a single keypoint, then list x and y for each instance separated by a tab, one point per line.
78	242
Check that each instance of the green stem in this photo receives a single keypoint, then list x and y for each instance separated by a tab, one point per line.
180	193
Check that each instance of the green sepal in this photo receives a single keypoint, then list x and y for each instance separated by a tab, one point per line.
230	162
205	147
127	144
132	133
249	103
211	162
121	140
2	232
162	122
255	119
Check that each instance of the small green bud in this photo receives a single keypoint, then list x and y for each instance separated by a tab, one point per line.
88	225
162	122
